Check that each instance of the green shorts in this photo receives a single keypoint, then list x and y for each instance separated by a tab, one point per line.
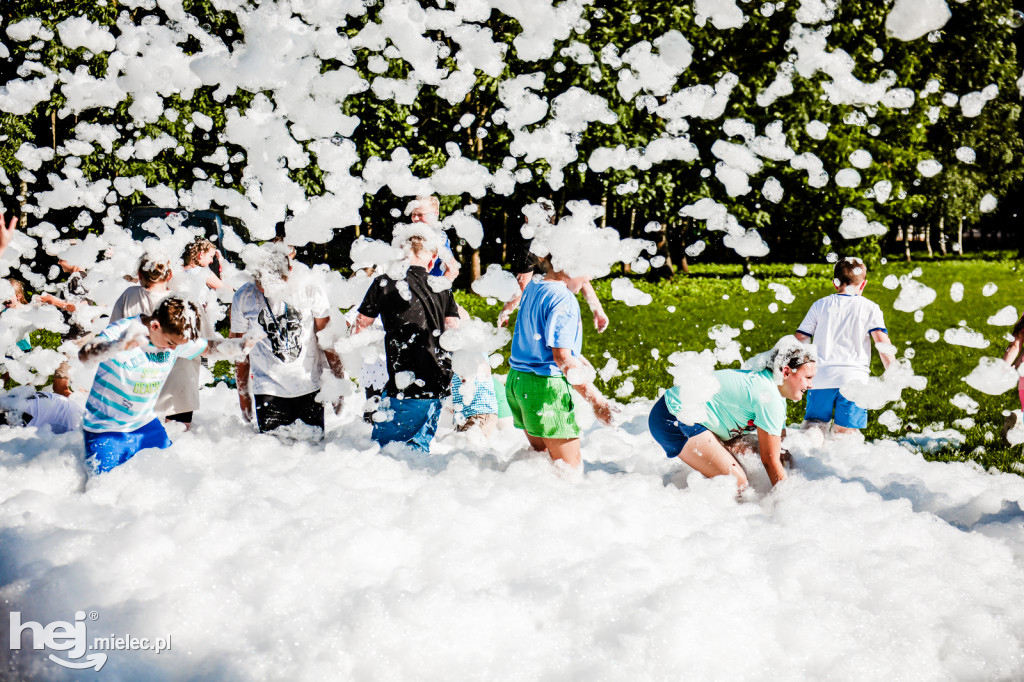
542	406
499	393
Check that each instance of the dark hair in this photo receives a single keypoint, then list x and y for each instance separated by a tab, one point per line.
850	271
177	316
541	264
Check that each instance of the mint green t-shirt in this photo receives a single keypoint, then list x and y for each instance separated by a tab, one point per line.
745	400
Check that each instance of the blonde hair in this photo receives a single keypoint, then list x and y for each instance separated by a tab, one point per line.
19	290
431	202
195	249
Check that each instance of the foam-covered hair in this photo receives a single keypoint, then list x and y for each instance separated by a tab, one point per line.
404	235
788	352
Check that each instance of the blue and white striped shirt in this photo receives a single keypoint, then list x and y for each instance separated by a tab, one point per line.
126	386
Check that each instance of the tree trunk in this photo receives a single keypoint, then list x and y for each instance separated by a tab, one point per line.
685	265
504	236
22	218
942	235
908	234
667	252
475	260
628	267
928	238
604	216
960	234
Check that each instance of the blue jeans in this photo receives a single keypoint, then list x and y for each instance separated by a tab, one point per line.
107	449
412	421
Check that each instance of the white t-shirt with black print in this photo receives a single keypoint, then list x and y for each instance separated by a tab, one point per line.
288	362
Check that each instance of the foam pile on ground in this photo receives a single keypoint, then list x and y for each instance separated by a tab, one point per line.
454	566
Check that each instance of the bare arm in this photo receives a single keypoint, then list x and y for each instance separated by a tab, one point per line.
54	301
801	337
242	382
452	322
99	349
881	337
333	360
230	348
451	265
362	323
770	449
523	279
567	361
1012	353
214	282
590	296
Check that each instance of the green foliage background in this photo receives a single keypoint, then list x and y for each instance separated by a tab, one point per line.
975	49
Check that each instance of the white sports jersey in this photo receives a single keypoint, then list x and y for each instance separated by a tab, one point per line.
841	326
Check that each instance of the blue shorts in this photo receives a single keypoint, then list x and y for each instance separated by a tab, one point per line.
670	433
108	449
412	421
822	403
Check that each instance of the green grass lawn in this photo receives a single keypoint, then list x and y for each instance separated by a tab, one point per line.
684	309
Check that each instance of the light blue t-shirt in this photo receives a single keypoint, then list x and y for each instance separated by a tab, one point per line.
126	386
745	400
549	317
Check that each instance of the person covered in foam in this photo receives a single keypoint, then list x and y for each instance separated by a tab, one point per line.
179	397
522	266
752	399
286	364
427	210
843	326
135	356
547	365
26	407
1015	357
414	316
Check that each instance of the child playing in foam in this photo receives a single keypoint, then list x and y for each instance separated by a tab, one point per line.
136	355
1013	355
749	399
843	325
546	348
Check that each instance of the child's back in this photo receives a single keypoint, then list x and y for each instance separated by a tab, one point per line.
843	327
